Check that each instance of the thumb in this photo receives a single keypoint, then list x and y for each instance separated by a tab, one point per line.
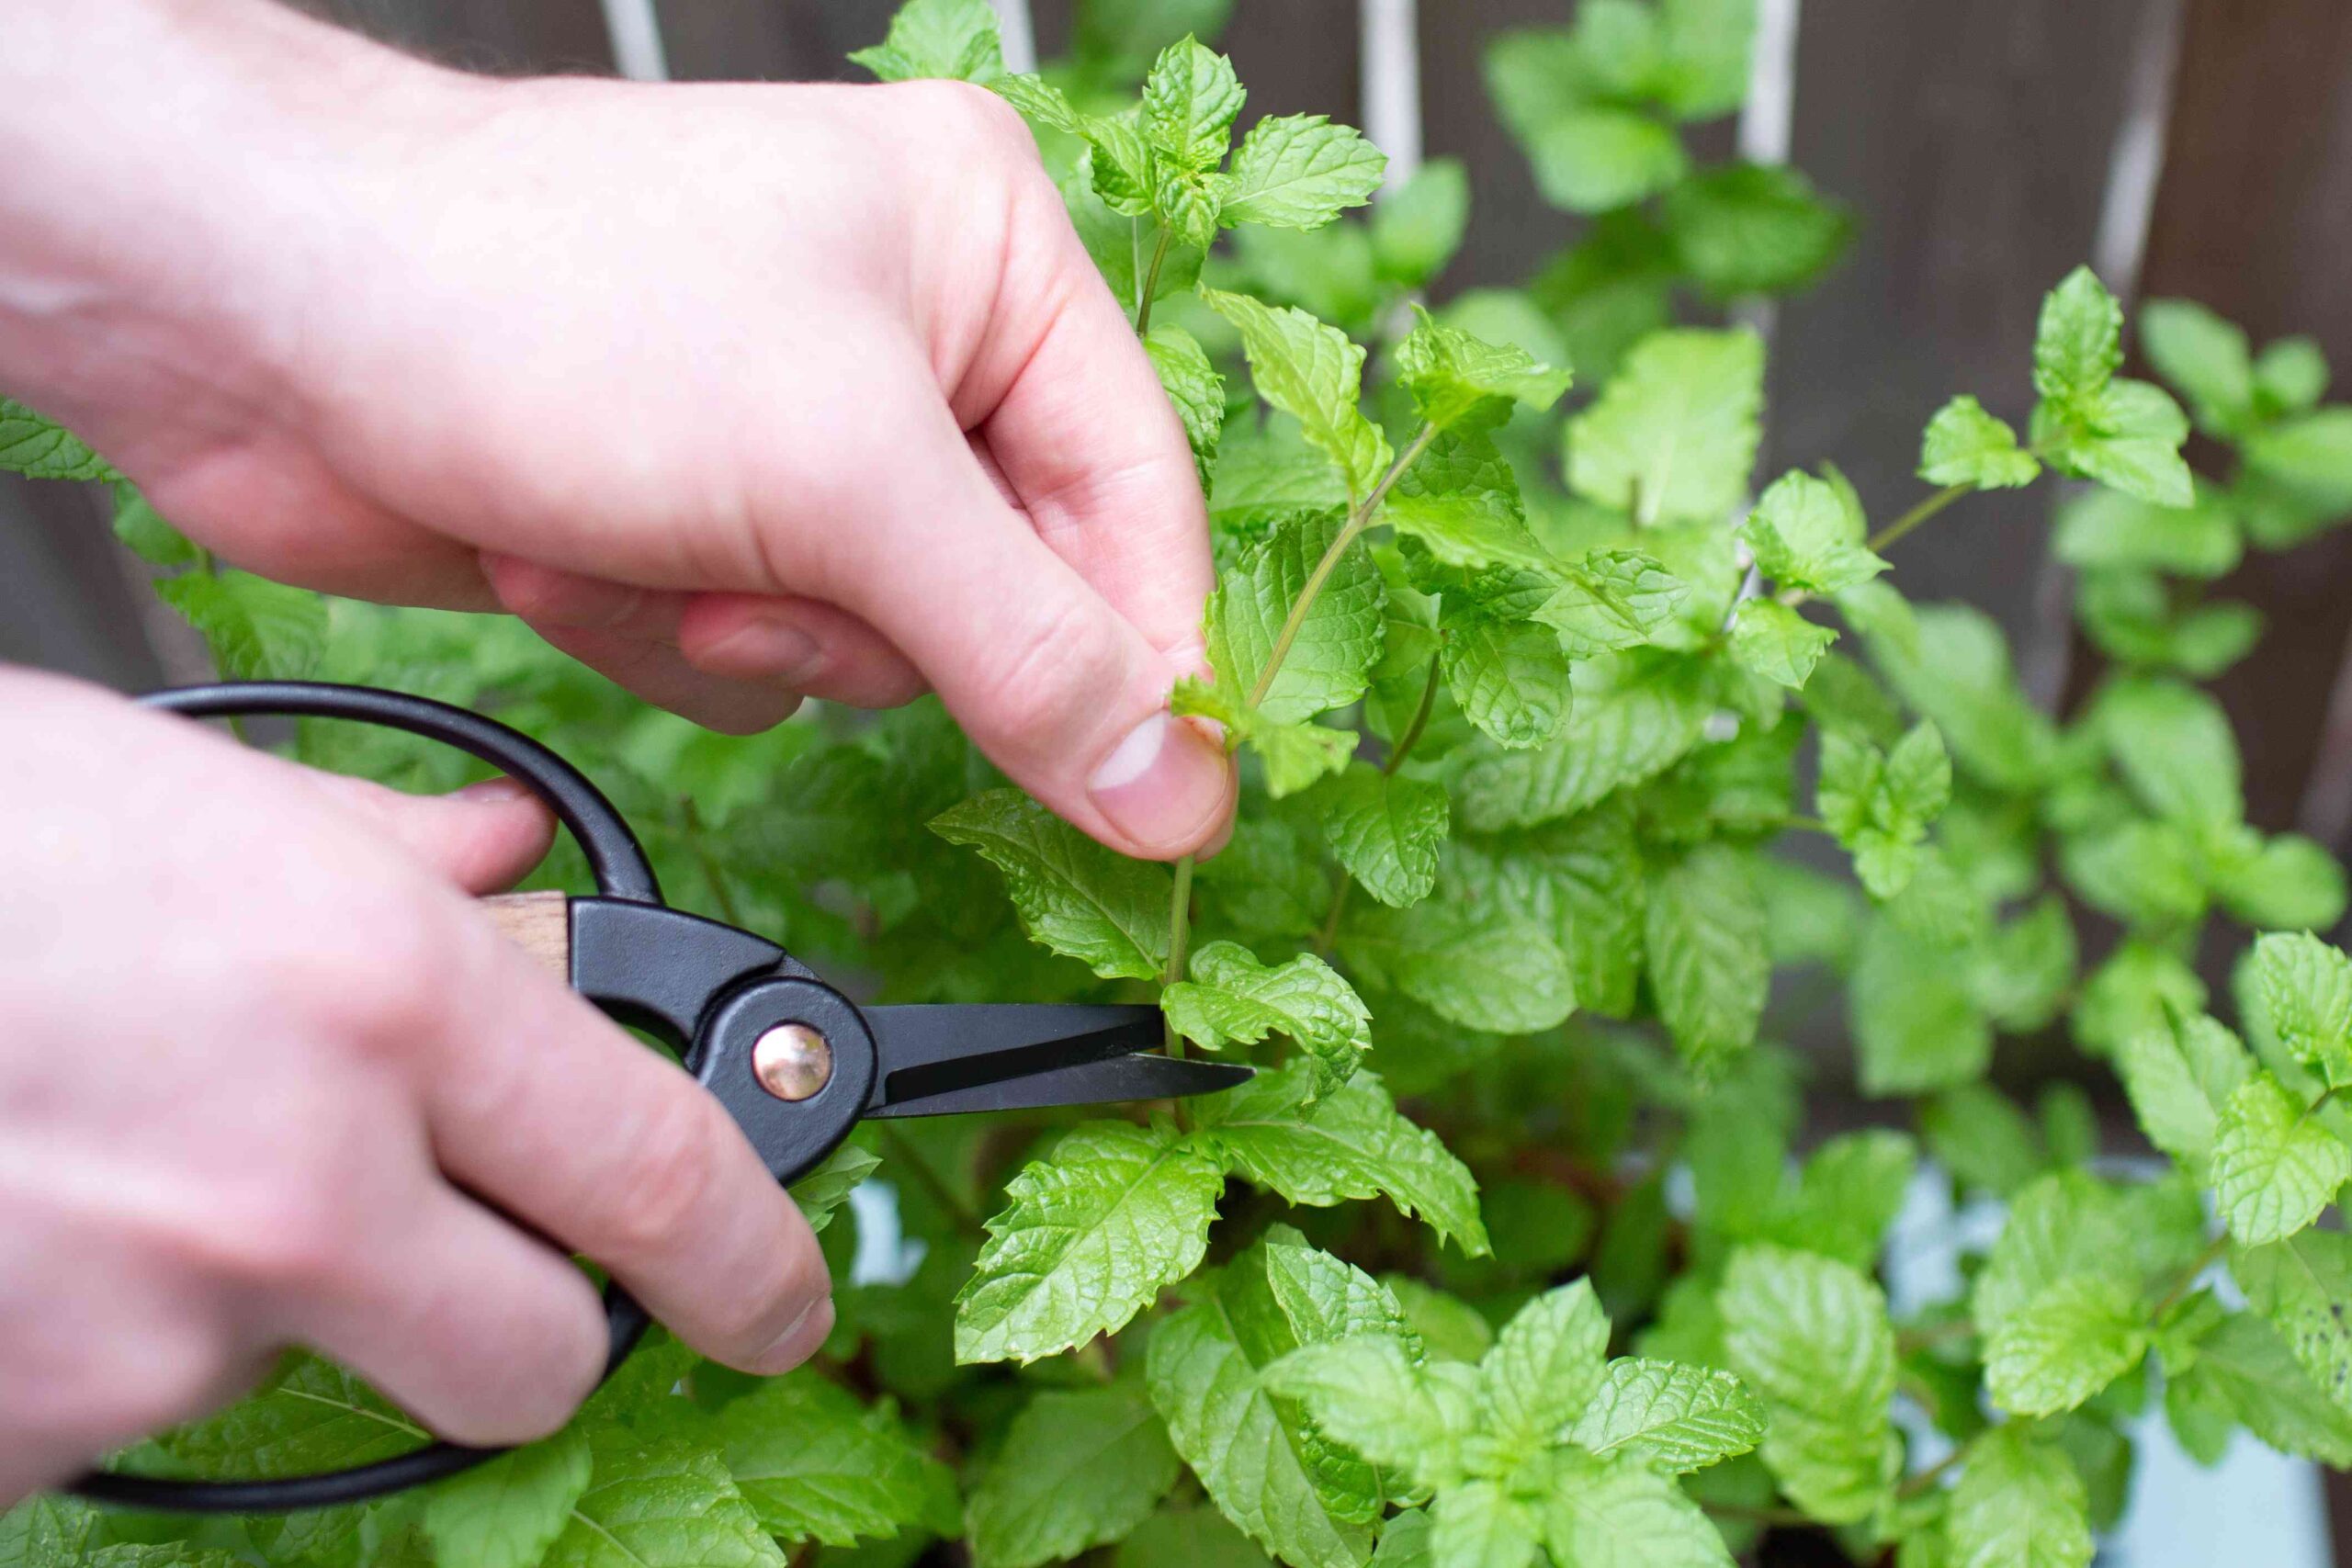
1058	688
482	837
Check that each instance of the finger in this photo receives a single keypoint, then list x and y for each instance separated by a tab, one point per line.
1064	693
483	838
485	1335
663	676
1068	406
540	1104
804	644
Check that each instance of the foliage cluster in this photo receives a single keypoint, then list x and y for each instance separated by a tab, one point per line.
1506	1254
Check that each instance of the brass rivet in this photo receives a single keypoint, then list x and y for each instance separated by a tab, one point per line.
792	1061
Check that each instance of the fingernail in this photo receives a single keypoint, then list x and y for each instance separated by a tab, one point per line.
768	649
500	791
1161	785
799	1342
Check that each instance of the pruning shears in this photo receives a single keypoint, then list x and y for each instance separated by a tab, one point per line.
796	1063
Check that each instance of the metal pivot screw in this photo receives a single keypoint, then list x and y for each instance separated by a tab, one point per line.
792	1061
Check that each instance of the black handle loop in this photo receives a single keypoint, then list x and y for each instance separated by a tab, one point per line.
622	872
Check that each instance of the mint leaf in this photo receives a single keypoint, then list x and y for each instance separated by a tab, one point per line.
824	1190
2070	1341
1545	1367
1598	1512
1772	640
1330	661
143	529
1745	227
2284	884
1348	1143
2204	356
41	449
1461	499
1419	226
1482	1523
2274	1168
1583	881
1811	1338
1807	534
1194	386
1954	668
814	1463
1090	1235
952	39
2305	988
2173	745
1507	674
661	1504
2078	343
1385	830
2018	1505
1612	599
1312	373
506	1514
1965	445
2127	435
2104	529
1232	997
257	630
2309	458
1589	155
2180	1075
1679	1417
1455	378
1190	100
1485	972
1631	717
45	1528
309	1415
1073	896
1188	1538
2300	1284
1880	806
2062	1225
1295	755
1300	171
1673	436
1079	1469
1703	940
1372	1393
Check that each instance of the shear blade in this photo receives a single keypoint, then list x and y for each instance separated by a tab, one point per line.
936	1061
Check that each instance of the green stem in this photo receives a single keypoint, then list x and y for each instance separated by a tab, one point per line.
1916	515
902	1149
719	892
1928	1477
1179	936
2190	1276
1357	521
1150	285
1329	936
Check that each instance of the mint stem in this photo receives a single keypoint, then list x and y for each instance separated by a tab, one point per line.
1916	515
1179	936
1150	285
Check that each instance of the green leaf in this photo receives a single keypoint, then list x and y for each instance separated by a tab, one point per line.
2287	883
2103	529
507	1513
45	1529
661	1504
1232	997
1612	599
1194	386
1418	227
1846	1197
2275	1167
2173	745
1956	669
1704	939
2078	343
1596	158
2245	1369
1373	1393
1329	660
2060	1225
2300	1284
814	1463
1348	1143
1673	436
2305	988
1745	228
1772	640
1965	445
951	39
1295	755
143	529
1810	1337
1487	971
1455	378
1620	1513
257	630
1679	1417
1312	373
40	449
1188	1538
1190	100
1300	171
1073	895
1387	830
824	1190
2127	435
1632	716
1807	534
1507	674
2180	1075
2290	374
1079	1469
1880	806
1461	501
1260	1457
1543	1368
2203	356
2069	1342
2018	1505
310	1414
1089	1236
1582	879
2309	457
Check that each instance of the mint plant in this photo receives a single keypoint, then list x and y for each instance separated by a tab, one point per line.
1515	1250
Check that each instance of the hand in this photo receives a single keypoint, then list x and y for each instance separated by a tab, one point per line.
268	1077
737	394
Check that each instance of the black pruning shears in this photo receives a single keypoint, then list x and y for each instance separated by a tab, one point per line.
796	1063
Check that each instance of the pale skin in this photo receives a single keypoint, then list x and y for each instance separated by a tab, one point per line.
739	394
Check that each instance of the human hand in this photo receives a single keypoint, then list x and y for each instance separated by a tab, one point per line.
266	1077
737	394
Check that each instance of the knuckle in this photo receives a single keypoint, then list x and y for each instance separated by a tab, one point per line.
1061	667
973	117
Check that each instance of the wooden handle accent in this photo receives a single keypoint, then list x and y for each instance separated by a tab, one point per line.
541	923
